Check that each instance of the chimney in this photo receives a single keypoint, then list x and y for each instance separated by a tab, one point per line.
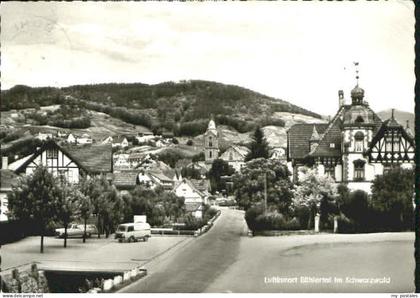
340	98
4	162
392	114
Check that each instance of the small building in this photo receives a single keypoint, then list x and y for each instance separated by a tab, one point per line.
278	153
235	156
194	199
44	136
107	140
121	161
84	139
120	142
71	139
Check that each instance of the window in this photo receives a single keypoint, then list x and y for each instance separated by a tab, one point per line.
210	142
332	145
330	171
358	141
388	143
63	174
210	154
396	143
52	153
230	156
130	229
359	170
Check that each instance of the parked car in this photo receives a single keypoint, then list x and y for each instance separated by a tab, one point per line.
77	230
132	232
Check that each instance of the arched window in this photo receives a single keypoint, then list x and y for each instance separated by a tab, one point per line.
358	141
210	154
359	170
210	141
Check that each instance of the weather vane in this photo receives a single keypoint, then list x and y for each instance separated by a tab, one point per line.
356	65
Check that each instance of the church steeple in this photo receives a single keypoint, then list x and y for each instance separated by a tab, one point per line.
211	142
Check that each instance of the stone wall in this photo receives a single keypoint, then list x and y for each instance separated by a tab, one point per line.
25	280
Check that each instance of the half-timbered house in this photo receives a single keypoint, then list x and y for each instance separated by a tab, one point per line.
69	161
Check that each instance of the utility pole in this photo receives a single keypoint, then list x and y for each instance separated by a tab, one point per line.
265	192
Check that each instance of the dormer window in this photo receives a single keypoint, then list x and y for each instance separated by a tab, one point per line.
358	141
332	145
359	119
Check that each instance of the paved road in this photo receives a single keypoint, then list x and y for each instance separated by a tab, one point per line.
224	260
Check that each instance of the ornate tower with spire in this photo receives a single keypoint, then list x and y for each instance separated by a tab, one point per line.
211	142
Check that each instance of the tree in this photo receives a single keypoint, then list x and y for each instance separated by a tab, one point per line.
249	185
312	190
68	200
218	169
392	194
357	208
95	188
36	197
259	146
84	210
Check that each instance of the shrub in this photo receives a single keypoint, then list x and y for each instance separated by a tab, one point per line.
190	142
345	225
257	221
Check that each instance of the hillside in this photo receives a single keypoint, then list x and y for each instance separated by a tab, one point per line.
183	108
400	116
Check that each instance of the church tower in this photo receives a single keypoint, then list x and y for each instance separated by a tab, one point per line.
211	142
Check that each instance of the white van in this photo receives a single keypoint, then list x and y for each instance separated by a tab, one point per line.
132	232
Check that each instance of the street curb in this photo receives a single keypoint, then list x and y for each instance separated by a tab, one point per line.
120	281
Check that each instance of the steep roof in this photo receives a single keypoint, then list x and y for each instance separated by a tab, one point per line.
332	135
190	184
94	158
125	179
298	138
91	158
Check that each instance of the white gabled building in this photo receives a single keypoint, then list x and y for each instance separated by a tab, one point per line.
235	156
194	199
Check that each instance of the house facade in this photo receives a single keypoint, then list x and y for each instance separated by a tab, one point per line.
194	199
354	147
7	179
235	156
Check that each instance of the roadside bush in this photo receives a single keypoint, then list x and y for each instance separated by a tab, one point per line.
192	223
345	225
257	221
303	214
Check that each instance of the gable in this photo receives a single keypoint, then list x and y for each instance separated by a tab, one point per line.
391	144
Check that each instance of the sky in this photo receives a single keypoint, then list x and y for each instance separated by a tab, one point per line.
302	52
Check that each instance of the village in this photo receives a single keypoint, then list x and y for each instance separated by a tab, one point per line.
208	147
316	183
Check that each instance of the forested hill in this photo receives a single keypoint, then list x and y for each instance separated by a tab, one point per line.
182	107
